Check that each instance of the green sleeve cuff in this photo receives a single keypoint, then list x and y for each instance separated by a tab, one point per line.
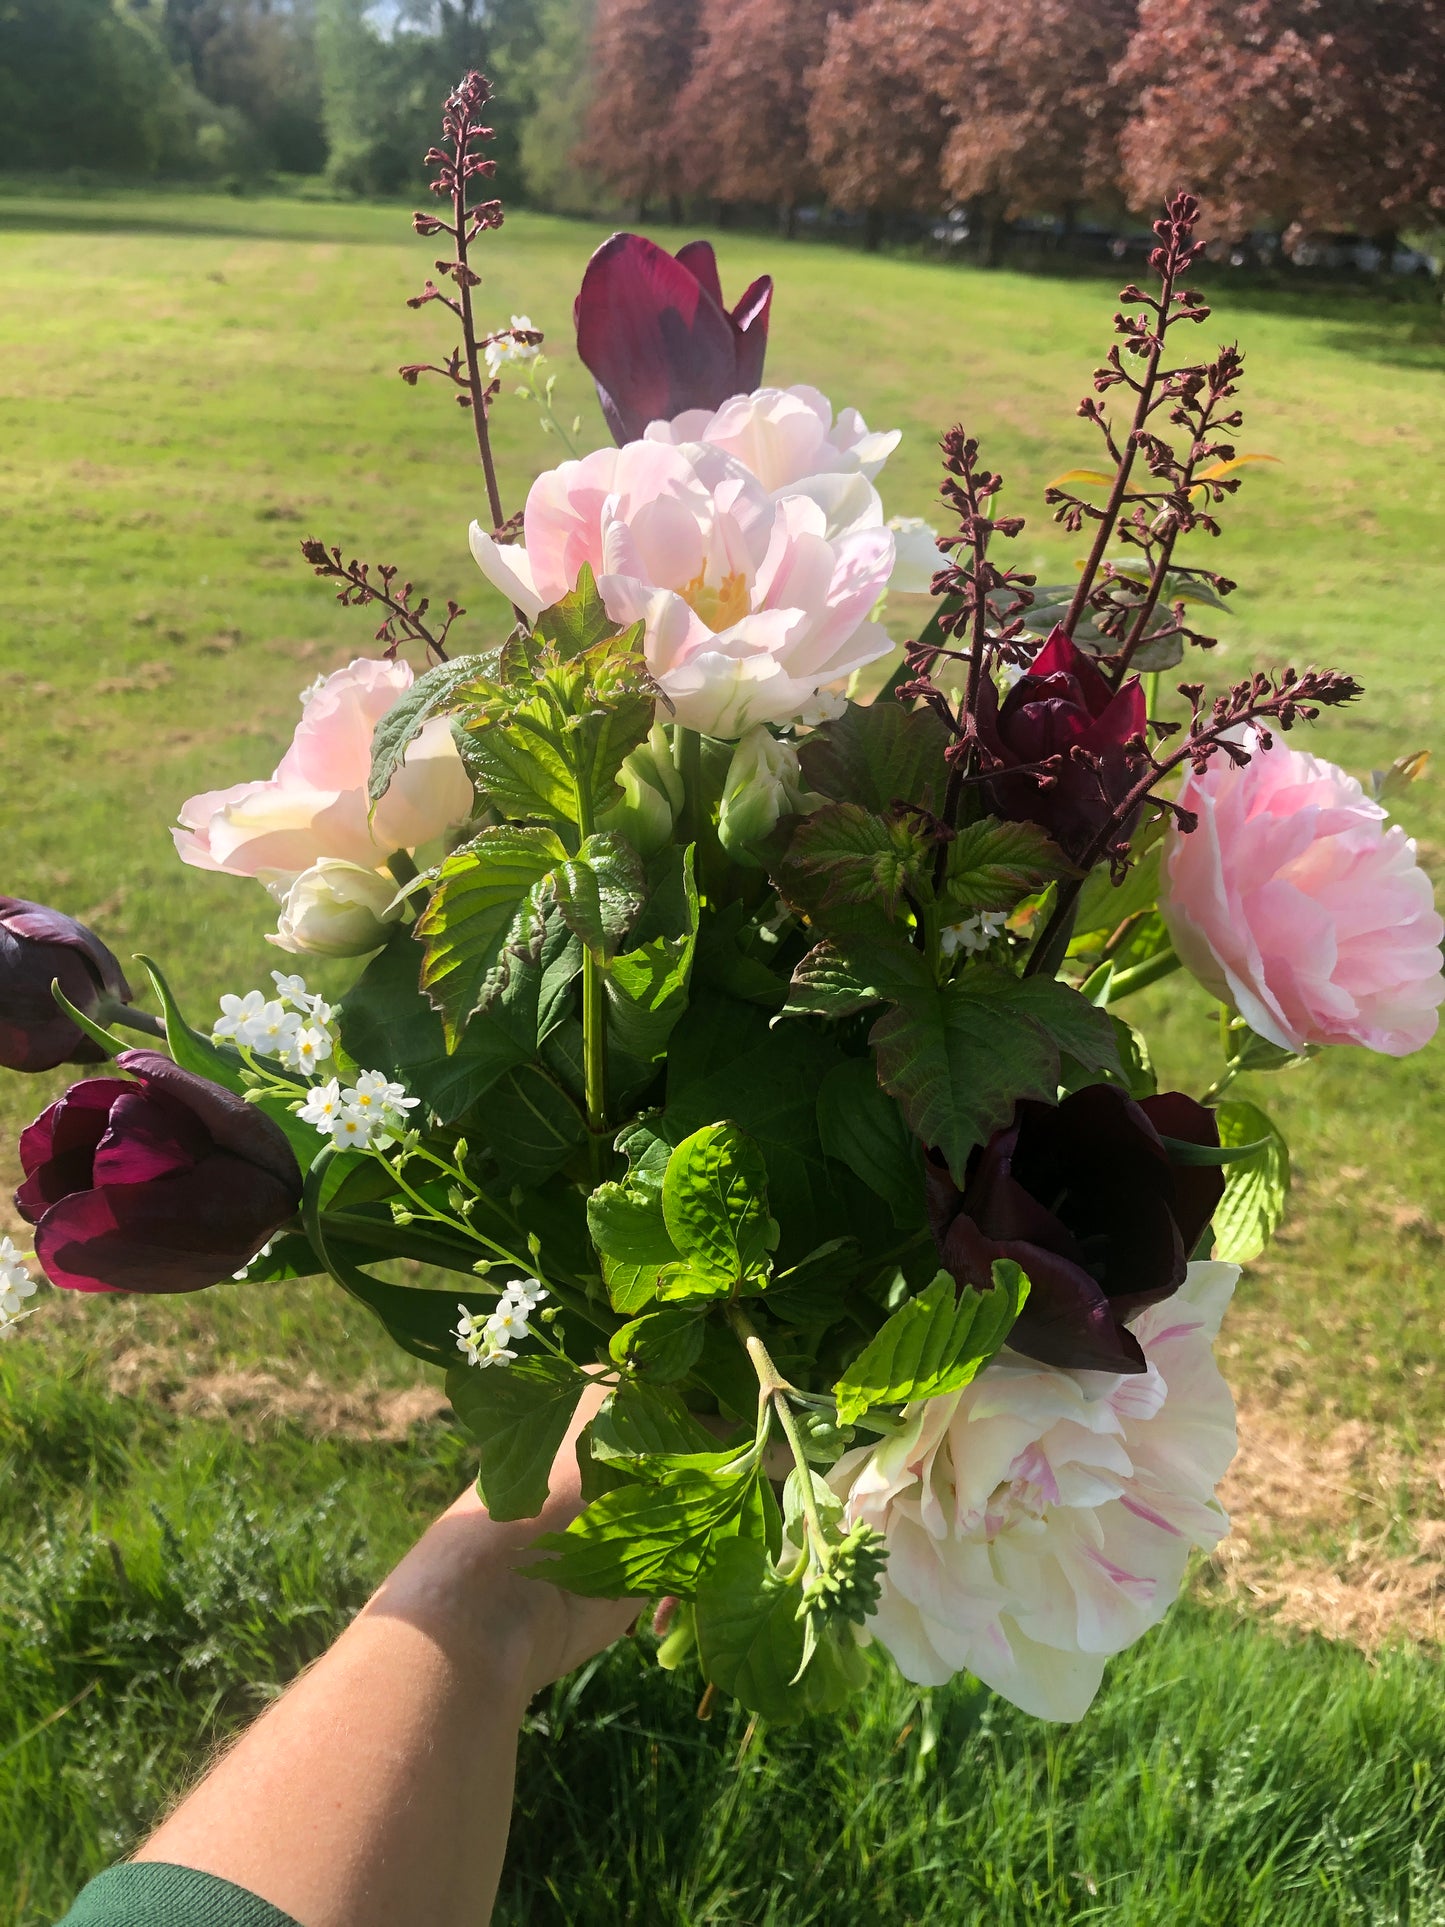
155	1895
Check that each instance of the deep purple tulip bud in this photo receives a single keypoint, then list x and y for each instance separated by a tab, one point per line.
1063	709
1085	1196
39	947
654	333
169	1183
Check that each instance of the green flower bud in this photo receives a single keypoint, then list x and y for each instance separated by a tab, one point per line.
652	795
847	1585
763	783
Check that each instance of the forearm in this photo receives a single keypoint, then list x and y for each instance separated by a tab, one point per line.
378	1789
377	1792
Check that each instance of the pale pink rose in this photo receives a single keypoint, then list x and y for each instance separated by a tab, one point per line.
749	604
1295	903
1040	1520
784	435
315	805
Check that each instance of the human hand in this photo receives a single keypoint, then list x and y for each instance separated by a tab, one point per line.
466	1564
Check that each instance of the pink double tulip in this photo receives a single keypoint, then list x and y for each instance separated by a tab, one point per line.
315	805
751	600
1293	901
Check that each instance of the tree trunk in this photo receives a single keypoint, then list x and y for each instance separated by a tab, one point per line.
788	220
873	229
674	210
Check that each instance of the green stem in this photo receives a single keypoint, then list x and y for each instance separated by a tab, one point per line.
594	1045
110	1010
1141	975
402	867
775	1388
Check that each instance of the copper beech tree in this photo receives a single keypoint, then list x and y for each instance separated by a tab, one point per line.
878	117
1035	121
741	122
642	55
1325	114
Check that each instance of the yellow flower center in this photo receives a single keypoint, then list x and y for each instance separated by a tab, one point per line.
719	605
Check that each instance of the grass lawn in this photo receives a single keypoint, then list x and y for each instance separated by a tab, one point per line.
198	1491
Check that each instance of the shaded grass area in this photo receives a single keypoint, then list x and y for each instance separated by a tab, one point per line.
190	384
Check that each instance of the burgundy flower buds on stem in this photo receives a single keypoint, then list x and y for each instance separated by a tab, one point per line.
1087	1199
168	1183
1065	747
39	947
653	332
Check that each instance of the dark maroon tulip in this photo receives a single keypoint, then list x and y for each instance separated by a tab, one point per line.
656	337
39	947
1063	708
1085	1197
167	1183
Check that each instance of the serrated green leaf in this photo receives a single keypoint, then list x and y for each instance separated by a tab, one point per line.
958	1056
517	1415
641	1420
1256	1187
643	1539
646	987
827	983
661	1345
485	910
433	694
631	1237
852	857
934	1344
876	754
860	1124
753	1645
599	892
530	1124
579	621
715	1205
993	865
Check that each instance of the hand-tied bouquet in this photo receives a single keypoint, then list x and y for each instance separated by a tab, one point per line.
754	1039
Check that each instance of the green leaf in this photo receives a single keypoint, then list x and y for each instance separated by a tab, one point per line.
643	1539
750	1638
484	911
876	754
1255	1189
642	1420
731	960
933	1344
753	1645
661	1345
579	621
388	1024
630	1234
646	987
1104	904
286	1257
848	856
725	1062
530	1125
715	1205
599	892
188	1047
959	1056
517	1415
828	983
993	865
860	1124
430	695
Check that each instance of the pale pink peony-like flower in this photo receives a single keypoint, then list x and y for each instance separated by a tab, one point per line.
750	601
1295	903
315	805
1040	1520
784	435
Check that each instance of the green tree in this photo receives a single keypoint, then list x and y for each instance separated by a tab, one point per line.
557	80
